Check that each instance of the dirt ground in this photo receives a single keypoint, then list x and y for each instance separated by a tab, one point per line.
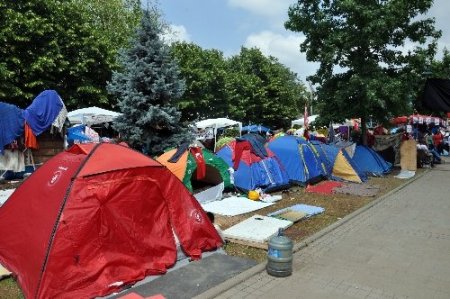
9	184
336	207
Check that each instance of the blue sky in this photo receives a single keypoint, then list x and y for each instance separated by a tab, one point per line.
227	25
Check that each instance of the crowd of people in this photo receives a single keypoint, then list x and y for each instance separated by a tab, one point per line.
432	143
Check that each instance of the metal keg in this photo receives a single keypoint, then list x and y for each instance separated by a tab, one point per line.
279	255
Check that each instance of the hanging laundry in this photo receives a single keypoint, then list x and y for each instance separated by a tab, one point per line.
30	139
12	160
61	118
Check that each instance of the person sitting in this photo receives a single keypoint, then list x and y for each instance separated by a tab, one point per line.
424	154
424	157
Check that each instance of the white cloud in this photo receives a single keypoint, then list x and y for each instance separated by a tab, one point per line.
440	10
274	9
176	33
285	47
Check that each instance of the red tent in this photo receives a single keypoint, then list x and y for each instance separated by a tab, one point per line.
97	217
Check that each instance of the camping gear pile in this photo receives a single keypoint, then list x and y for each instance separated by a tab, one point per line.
47	110
19	129
84	120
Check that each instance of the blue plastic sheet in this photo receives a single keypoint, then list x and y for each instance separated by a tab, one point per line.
309	210
11	124
43	111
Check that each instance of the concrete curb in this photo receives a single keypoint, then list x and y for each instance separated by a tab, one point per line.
230	283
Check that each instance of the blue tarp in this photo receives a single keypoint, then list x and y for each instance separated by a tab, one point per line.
370	161
43	111
77	133
301	162
11	124
257	142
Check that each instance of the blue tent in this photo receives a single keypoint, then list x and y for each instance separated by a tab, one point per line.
252	171
370	161
255	129
338	163
298	157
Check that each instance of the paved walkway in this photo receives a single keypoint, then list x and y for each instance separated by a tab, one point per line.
398	248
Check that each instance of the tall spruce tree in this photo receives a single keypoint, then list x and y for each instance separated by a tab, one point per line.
147	89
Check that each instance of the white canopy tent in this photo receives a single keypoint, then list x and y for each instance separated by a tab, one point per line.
301	121
91	116
217	123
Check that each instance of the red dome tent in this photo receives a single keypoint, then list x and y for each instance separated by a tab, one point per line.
96	217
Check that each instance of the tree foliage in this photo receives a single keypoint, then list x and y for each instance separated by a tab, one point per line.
147	89
262	90
364	67
205	75
248	86
115	20
53	44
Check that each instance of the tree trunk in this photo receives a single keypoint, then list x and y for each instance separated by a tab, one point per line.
363	130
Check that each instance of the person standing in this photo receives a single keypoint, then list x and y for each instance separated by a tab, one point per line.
429	140
437	141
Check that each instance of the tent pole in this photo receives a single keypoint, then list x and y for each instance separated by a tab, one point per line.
215	136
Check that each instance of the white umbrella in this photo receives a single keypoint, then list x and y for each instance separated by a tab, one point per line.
91	116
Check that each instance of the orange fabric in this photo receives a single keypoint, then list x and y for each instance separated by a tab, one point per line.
178	168
30	139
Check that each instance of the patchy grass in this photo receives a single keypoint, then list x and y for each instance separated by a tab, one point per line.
336	207
9	289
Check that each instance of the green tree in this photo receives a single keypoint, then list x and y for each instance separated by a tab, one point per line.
262	90
115	20
147	89
53	44
363	70
205	75
422	68
441	68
